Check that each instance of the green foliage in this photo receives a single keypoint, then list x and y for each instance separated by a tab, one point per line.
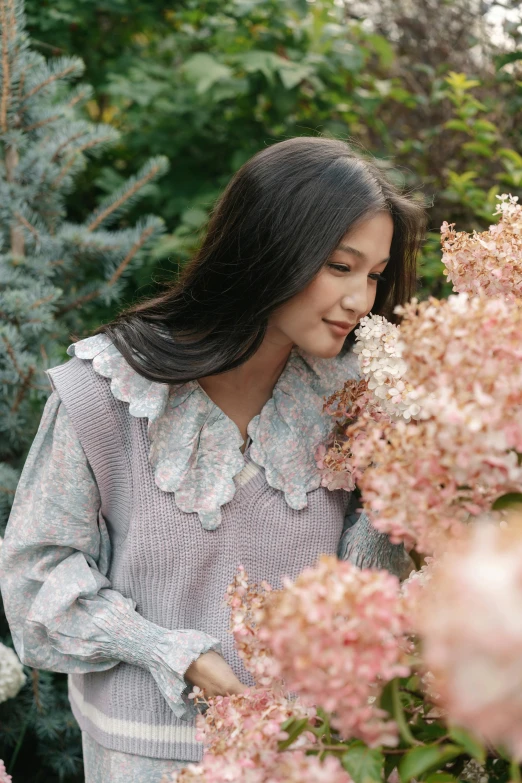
429	750
420	760
51	270
210	83
364	764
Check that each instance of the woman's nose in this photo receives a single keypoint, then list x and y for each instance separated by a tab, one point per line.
357	298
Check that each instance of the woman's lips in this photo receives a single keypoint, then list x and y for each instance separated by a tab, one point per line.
338	329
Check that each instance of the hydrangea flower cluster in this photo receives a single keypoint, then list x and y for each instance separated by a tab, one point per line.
12	676
247	603
4	777
289	767
490	261
333	458
380	349
249	724
429	478
336	635
471	627
241	735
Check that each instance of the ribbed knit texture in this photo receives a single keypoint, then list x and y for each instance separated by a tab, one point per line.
176	571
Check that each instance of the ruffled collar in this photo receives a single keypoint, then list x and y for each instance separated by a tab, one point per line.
195	448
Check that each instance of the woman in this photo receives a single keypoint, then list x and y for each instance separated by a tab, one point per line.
178	442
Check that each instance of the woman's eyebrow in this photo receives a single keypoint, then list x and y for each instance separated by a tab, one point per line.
359	253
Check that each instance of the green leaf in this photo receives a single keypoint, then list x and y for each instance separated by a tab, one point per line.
364	764
458	125
293	727
291	74
505	152
421	759
510	499
203	71
441	777
256	60
383	48
472	745
510	57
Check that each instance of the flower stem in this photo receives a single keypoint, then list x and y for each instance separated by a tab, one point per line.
514	772
398	714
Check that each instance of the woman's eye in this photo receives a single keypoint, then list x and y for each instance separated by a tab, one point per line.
343	268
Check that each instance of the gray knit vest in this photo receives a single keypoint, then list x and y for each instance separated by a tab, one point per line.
175	571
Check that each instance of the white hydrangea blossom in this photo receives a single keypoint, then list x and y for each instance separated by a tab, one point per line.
379	348
12	676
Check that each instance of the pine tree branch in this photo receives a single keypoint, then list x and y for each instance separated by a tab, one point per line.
26	379
80	95
17	237
27	225
35	675
42	301
117	274
125	197
53	77
41	124
6	19
22	391
76	98
145	235
62	146
70	163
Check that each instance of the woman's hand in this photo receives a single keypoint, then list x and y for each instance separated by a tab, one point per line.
213	675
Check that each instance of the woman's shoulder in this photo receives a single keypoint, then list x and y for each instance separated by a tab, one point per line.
145	398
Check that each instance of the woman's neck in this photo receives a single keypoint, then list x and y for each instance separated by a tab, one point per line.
261	371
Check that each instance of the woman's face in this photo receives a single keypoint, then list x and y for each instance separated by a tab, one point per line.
344	290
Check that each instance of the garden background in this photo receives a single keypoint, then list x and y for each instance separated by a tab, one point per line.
428	87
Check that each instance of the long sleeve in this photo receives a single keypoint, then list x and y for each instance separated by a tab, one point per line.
364	546
63	614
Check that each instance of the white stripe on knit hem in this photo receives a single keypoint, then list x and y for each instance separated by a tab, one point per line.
132	729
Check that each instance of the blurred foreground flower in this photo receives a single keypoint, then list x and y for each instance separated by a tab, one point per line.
286	767
12	676
470	621
490	261
4	777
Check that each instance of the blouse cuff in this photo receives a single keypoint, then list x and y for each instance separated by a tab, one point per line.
166	654
364	546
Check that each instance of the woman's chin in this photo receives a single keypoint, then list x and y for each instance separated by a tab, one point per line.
324	349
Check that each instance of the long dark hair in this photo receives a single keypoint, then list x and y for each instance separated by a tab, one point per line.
275	226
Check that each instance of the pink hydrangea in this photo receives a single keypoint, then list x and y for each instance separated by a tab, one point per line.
352	407
380	350
491	261
4	777
286	767
247	603
336	636
428	478
241	734
470	622
248	724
